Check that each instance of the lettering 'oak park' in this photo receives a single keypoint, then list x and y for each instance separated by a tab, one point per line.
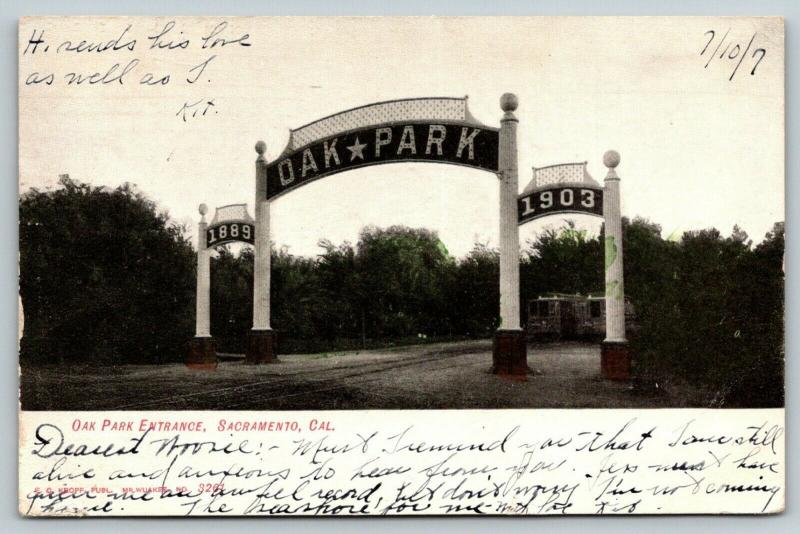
438	143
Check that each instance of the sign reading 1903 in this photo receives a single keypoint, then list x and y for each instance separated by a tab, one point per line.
588	200
228	232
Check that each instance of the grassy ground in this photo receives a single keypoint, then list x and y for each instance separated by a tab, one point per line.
446	375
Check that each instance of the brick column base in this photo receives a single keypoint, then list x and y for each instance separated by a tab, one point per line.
510	354
201	354
262	347
615	360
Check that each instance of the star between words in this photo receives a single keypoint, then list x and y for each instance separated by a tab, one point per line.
456	144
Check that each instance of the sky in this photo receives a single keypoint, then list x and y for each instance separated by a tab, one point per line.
698	149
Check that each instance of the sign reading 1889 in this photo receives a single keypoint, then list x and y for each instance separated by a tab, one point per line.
588	200
227	232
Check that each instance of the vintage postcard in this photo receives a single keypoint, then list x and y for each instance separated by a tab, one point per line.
244	289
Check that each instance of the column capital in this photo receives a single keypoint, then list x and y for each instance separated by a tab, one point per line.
509	103
261	149
611	160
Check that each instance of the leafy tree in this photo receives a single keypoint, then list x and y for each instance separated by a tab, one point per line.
753	374
711	311
563	260
652	285
474	293
231	298
342	296
104	276
403	270
294	303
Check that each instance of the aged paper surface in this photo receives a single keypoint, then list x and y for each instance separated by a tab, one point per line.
442	462
578	311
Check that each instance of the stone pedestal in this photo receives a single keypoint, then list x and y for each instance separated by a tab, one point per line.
261	347
510	354
615	360
201	353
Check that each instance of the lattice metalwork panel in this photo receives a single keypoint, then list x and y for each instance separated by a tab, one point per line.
449	109
560	174
233	212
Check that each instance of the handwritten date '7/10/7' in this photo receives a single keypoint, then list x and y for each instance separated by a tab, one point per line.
735	53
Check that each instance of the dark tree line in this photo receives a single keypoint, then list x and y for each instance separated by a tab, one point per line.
709	308
396	285
105	277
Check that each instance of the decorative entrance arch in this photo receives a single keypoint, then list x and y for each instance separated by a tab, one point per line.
230	224
437	130
567	188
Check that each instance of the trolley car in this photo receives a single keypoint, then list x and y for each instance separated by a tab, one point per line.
565	316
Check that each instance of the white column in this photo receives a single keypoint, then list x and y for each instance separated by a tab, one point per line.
261	267
203	300
615	289
509	230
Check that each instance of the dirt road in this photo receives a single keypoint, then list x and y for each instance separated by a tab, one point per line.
447	375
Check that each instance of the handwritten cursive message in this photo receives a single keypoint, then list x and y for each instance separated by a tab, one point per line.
118	54
388	463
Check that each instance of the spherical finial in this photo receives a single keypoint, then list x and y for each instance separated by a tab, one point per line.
261	147
611	159
203	209
509	102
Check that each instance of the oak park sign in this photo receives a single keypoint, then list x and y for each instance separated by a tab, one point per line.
420	141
